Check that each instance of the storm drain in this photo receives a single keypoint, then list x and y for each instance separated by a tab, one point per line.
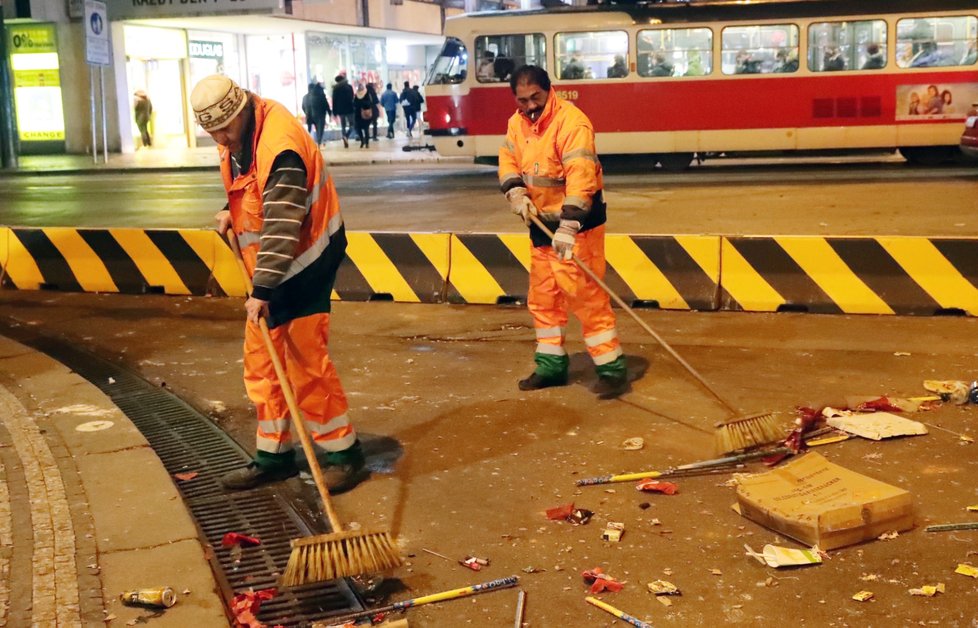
187	441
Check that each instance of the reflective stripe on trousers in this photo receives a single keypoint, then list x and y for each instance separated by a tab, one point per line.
314	381
557	287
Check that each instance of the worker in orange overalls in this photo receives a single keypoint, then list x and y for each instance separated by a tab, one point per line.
284	211
548	167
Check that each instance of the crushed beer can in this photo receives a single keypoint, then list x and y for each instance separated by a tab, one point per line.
159	597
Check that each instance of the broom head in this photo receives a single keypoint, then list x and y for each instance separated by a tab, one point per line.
340	555
746	432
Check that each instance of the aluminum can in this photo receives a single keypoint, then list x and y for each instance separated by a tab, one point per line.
160	597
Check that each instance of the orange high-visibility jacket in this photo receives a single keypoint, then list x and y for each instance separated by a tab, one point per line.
306	287
555	159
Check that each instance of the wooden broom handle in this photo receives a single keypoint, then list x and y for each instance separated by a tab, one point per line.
297	418
621	303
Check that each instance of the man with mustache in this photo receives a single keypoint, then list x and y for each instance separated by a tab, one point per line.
548	167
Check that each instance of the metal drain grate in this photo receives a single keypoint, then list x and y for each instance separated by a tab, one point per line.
185	440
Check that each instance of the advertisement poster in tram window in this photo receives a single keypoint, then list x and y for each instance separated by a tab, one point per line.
930	101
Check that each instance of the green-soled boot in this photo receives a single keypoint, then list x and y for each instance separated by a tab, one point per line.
551	371
612	379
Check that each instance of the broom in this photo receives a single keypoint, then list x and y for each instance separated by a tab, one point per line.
733	434
327	556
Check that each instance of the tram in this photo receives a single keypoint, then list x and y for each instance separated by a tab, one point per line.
678	81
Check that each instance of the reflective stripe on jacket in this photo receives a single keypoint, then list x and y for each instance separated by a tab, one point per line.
306	287
555	159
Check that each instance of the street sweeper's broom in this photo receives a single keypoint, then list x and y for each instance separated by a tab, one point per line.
733	434
327	556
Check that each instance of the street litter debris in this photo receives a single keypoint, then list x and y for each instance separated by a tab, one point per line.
111	380
231	539
928	590
613	531
776	556
863	596
967	570
902	354
871	577
663	587
244	607
186	477
973	508
664	601
159	597
474	563
716	572
812	500
560	513
657	486
600	581
956	391
620	614
886	536
580	516
633	444
951	527
875	425
532	569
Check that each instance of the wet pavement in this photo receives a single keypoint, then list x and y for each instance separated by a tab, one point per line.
465	464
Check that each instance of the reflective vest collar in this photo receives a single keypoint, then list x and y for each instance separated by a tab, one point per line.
260	109
549	110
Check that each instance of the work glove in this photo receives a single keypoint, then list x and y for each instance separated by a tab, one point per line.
521	204
563	241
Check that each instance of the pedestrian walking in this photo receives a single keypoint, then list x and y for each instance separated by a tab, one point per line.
142	108
316	107
548	167
284	211
343	106
388	101
364	108
375	110
408	99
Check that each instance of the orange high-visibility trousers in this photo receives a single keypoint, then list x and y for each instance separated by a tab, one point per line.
301	345
557	286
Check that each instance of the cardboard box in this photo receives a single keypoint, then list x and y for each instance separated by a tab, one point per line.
819	503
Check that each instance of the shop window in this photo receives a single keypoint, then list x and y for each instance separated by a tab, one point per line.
835	46
929	42
675	52
451	65
759	49
498	56
595	55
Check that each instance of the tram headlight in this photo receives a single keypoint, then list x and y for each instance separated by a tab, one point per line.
448	118
971	122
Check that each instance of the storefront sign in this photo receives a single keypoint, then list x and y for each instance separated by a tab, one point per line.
206	49
36	82
142	9
96	33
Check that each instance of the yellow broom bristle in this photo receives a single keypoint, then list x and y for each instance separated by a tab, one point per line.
747	432
340	555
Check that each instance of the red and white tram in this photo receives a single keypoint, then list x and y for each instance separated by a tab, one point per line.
679	80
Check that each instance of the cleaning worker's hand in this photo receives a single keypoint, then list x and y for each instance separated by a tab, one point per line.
256	308
563	241
521	204
223	220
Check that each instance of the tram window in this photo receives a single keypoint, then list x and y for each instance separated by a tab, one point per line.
834	46
928	42
451	64
675	52
597	55
759	49
498	56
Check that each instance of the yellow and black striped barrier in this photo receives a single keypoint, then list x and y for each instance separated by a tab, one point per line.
852	275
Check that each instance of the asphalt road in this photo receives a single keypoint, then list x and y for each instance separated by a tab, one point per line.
830	197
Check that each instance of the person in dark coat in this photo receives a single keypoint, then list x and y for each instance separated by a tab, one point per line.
364	108
372	92
408	100
343	106
316	108
389	101
143	110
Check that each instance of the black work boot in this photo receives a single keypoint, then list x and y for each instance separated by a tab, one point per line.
343	470
610	386
536	381
255	475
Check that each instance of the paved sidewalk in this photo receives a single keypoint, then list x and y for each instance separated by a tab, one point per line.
383	151
87	510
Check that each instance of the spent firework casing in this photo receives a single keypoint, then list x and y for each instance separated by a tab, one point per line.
160	597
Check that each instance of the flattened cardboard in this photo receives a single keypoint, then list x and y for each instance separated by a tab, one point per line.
820	503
